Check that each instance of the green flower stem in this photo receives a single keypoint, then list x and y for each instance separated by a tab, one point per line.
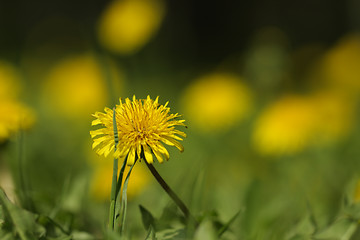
170	192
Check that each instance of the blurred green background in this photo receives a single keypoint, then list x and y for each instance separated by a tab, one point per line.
269	91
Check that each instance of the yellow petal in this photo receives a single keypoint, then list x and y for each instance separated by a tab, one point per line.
131	156
179	133
159	147
123	151
148	155
109	148
158	156
138	150
97	132
103	150
96	122
175	137
171	142
98	141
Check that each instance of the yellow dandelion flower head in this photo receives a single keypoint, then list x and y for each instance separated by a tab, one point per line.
285	126
341	64
13	117
216	101
76	86
126	25
142	125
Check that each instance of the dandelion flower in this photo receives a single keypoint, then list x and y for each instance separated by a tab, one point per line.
143	126
295	122
76	85
286	126
13	117
126	25
341	65
217	101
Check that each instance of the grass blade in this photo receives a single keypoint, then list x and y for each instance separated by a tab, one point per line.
22	220
118	195
151	234
114	183
123	206
147	218
227	225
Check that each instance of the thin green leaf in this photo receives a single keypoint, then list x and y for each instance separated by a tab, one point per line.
227	225
312	216
151	234
114	184
24	222
147	219
118	195
112	214
350	231
341	229
123	207
47	222
304	229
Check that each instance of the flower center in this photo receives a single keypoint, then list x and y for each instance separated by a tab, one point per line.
140	134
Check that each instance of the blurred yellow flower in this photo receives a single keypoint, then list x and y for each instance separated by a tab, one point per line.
142	125
341	65
9	81
285	126
126	25
100	186
294	122
13	114
13	117
216	101
77	86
